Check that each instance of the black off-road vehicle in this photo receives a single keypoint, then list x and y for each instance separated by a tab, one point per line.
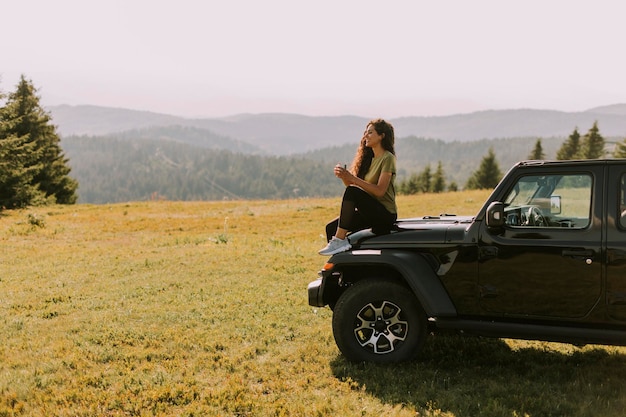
544	259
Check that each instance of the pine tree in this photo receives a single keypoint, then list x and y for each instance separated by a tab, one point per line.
570	148
488	174
593	143
410	186
425	179
537	152
424	182
31	154
18	167
620	149
438	183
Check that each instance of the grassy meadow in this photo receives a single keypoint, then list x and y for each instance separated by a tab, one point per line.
200	309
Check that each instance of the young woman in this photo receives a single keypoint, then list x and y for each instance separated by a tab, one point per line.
370	196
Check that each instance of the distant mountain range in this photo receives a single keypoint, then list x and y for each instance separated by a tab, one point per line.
123	155
285	134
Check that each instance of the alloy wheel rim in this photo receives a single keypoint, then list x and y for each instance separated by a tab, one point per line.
380	327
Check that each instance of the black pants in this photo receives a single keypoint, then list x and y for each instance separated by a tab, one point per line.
359	210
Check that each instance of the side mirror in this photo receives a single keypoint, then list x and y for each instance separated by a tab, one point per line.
495	214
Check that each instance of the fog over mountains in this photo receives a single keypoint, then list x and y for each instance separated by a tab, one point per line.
285	134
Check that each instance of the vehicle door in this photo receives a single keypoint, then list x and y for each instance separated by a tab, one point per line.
616	242
546	260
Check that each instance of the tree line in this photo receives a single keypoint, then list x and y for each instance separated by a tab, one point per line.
590	146
112	169
120	168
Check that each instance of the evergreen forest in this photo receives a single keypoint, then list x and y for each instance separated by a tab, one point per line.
120	168
117	170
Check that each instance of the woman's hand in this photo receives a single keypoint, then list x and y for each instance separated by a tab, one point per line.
343	174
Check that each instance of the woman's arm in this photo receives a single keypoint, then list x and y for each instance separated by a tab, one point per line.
377	190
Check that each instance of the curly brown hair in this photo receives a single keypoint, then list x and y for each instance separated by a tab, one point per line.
364	155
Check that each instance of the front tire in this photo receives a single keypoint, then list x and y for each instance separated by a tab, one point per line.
379	320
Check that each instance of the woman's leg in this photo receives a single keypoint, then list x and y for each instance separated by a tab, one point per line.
331	228
350	218
359	210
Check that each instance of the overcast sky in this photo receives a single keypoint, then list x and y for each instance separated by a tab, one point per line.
320	57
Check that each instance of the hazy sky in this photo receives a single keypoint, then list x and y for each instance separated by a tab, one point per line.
319	57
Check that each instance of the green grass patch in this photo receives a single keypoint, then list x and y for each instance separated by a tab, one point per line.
200	309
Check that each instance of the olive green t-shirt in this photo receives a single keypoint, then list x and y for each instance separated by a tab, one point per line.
384	163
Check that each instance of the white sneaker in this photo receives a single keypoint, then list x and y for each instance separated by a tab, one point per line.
335	245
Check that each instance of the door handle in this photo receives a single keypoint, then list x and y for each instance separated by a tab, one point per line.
581	254
577	252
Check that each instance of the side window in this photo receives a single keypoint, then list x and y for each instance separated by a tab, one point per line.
562	200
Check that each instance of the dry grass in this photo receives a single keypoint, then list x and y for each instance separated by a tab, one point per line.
200	309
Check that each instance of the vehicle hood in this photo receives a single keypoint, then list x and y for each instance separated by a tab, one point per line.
429	229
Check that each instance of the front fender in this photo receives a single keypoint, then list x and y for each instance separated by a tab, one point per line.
414	269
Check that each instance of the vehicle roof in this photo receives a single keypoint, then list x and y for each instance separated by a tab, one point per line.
548	162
